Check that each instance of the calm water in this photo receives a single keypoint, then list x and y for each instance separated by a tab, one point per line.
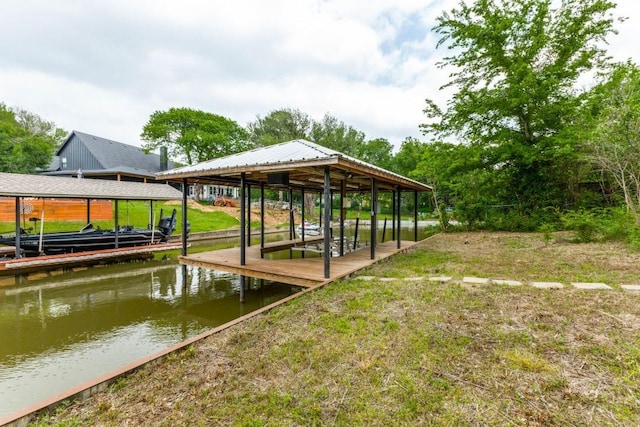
63	330
58	332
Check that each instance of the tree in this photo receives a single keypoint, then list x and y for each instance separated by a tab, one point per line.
377	152
615	134
334	134
27	142
35	126
194	136
279	126
515	67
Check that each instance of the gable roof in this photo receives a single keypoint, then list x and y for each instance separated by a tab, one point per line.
117	156
301	159
21	185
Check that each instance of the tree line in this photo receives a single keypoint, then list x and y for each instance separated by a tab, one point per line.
541	121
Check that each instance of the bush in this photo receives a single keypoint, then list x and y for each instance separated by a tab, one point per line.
616	224
633	239
584	223
547	232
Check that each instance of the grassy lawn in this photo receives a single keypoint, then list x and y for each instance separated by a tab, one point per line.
413	352
136	213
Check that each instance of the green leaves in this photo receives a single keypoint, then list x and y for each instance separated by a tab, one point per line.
515	66
27	141
194	135
615	137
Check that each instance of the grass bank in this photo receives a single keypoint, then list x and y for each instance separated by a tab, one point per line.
413	352
136	213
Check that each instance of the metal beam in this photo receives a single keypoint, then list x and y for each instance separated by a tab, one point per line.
185	190
262	215
117	225
399	218
415	215
243	217
393	214
17	227
374	218
249	215
327	222
343	214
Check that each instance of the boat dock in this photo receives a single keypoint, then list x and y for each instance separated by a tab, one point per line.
52	262
306	272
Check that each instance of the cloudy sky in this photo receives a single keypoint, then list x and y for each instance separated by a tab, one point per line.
103	67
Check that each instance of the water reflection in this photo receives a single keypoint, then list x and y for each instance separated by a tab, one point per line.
64	330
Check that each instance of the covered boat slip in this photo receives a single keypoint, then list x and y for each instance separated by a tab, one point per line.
306	168
21	186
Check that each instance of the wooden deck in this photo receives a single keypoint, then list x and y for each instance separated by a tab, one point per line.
48	262
307	272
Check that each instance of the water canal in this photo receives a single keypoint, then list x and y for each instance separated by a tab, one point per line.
60	331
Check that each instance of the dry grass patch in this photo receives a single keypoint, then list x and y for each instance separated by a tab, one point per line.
402	353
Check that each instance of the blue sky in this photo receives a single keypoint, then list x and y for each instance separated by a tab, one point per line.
105	67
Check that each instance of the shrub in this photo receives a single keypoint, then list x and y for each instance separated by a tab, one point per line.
583	223
547	230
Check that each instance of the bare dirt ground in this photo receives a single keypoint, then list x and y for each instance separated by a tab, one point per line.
272	218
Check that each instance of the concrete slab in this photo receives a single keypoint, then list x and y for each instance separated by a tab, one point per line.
476	280
506	282
366	277
547	285
440	279
635	288
387	279
587	285
413	279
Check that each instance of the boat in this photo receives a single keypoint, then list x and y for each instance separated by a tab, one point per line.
91	238
309	229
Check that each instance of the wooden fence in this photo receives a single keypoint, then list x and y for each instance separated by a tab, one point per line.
56	209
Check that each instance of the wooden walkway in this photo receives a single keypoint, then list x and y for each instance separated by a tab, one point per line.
49	262
306	272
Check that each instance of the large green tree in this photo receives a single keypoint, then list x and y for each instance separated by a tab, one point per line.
614	137
335	134
281	125
515	66
194	136
27	141
377	151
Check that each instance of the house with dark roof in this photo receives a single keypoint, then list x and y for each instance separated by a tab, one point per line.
91	156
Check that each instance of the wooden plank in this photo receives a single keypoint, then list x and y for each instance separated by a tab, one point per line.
54	261
288	244
7	250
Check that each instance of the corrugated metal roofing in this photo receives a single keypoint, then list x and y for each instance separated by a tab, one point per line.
20	185
280	156
292	151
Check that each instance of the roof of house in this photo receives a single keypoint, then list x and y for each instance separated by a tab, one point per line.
21	185
113	156
302	160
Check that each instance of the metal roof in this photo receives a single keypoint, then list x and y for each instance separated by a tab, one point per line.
108	156
302	160
20	185
117	155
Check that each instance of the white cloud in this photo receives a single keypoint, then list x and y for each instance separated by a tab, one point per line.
105	67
